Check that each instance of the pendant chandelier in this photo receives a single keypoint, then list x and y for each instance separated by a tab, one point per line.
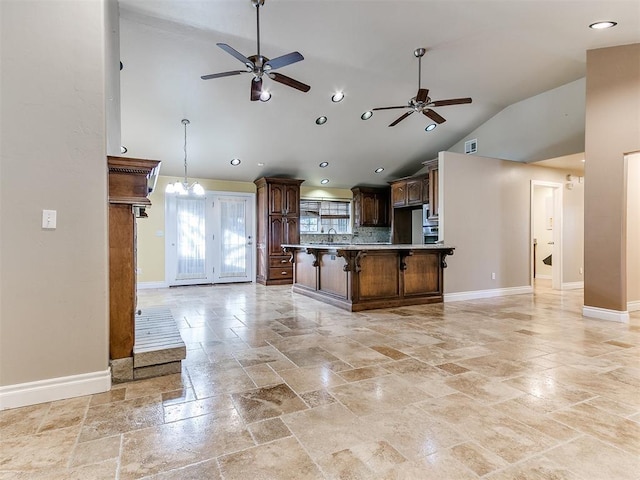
183	188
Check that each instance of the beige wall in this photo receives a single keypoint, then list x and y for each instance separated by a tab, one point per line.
612	126
53	283
633	230
485	214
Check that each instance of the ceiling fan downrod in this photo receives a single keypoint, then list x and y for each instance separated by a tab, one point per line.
419	52
258	4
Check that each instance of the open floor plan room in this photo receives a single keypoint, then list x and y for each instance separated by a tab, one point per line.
280	386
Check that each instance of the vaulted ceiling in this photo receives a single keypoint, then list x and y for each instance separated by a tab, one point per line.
496	51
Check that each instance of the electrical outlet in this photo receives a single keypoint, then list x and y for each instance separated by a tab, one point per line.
493	275
581	270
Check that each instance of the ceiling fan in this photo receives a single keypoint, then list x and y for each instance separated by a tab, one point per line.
422	103
260	65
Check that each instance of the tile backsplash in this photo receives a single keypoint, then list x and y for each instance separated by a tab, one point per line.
359	235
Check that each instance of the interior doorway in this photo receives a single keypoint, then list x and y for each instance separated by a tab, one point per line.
209	239
546	233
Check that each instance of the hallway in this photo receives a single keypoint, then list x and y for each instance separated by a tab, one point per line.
278	386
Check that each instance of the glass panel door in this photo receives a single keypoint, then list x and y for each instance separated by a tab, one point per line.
187	261
233	244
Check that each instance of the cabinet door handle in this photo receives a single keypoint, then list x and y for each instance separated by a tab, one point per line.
283	261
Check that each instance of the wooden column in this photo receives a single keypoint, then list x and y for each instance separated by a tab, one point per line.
128	188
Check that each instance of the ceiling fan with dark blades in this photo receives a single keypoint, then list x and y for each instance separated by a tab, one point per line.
422	103
259	65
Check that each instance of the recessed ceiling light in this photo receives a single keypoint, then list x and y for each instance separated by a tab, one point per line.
235	161
430	127
123	149
379	170
337	97
324	181
261	164
265	96
366	115
603	25
323	164
321	120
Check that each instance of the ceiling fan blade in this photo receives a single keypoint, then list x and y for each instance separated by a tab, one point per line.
284	60
452	101
289	82
422	95
399	119
434	116
222	74
235	53
256	89
389	108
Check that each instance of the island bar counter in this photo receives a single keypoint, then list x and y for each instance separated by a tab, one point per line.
367	276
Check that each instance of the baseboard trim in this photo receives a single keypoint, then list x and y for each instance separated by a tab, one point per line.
52	389
572	285
633	306
496	292
605	314
147	285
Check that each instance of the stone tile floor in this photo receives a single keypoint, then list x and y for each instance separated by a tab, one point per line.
278	386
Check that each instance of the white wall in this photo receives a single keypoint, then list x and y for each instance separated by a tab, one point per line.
556	115
485	214
53	283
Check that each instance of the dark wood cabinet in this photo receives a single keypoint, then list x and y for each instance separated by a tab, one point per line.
284	199
278	210
128	188
370	207
408	192
414	192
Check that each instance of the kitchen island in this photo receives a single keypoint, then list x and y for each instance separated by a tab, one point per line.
359	277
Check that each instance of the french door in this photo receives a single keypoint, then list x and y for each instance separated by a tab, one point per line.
209	239
233	245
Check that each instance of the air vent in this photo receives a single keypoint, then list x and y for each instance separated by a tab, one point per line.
471	146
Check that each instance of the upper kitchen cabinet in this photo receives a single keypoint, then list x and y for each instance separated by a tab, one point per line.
408	192
284	196
370	207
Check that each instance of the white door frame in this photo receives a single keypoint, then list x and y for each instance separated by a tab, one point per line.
556	264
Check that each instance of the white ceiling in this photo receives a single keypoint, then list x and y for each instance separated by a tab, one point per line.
497	52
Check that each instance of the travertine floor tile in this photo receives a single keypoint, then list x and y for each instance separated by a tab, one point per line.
282	459
278	386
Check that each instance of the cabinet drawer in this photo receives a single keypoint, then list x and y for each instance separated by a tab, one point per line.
281	272
279	261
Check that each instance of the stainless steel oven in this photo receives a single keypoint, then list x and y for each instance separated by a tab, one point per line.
430	234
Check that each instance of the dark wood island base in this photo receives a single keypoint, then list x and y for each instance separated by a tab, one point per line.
364	277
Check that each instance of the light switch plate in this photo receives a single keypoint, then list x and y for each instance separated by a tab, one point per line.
49	219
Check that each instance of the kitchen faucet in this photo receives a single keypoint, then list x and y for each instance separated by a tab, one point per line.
331	234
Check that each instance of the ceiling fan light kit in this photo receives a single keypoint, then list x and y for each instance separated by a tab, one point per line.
260	66
421	103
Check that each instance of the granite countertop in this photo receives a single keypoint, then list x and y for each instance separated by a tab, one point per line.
370	246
